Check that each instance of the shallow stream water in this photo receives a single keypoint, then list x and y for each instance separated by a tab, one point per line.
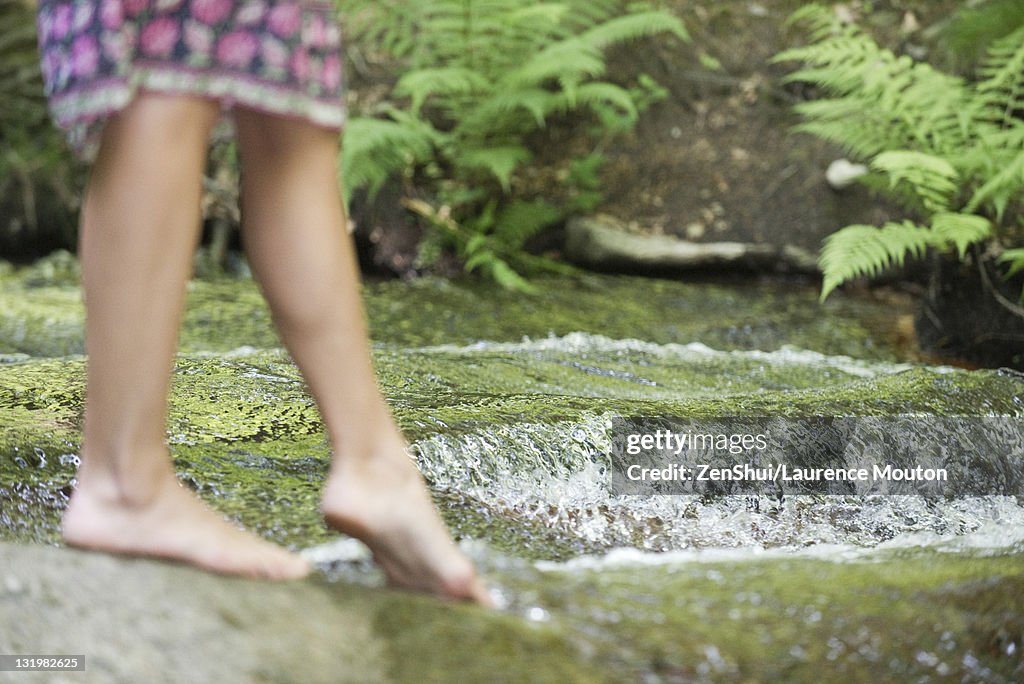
509	403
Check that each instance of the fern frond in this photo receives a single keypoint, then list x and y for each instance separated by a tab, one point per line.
880	101
549	14
852	124
862	250
499	106
960	230
821	22
980	24
933	180
386	25
594	95
1005	185
374	149
1002	89
419	84
1015	259
567	59
633	26
501	162
521	220
586	13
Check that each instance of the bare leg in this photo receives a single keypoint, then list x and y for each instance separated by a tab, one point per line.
295	237
139	226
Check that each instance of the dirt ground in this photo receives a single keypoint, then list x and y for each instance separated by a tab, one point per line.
718	160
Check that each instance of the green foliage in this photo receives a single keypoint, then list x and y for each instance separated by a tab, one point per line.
480	77
1014	258
951	150
980	24
35	168
867	250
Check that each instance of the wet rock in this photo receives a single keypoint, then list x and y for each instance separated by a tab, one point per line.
139	620
893	616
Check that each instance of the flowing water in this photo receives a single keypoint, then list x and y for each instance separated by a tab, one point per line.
511	403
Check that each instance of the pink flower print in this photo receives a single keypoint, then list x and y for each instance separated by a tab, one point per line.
330	77
300	64
198	38
57	68
333	34
61	20
51	62
168	5
134	8
237	48
284	19
111	15
211	11
314	32
116	46
250	13
85	56
84	12
274	52
159	37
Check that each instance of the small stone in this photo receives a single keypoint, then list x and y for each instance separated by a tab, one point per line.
842	172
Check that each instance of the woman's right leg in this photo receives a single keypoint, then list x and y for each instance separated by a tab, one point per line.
140	224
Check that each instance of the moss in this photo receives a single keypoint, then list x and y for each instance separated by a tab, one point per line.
41	313
247	436
909	617
426	644
740	315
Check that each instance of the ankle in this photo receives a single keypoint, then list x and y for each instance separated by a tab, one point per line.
372	440
133	480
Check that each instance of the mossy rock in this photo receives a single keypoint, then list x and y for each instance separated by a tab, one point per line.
41	313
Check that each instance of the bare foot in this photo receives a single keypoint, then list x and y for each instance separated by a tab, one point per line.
172	523
383	502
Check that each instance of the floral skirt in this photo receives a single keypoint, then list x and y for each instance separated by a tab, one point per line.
278	56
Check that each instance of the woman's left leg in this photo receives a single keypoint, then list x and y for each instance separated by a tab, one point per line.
294	229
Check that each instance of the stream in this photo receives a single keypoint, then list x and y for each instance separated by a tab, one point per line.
512	405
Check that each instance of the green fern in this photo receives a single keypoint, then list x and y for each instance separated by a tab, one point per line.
376	149
1014	258
862	250
960	230
950	149
981	23
482	76
932	180
1002	90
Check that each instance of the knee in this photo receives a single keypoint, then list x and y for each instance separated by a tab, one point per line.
172	119
276	141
